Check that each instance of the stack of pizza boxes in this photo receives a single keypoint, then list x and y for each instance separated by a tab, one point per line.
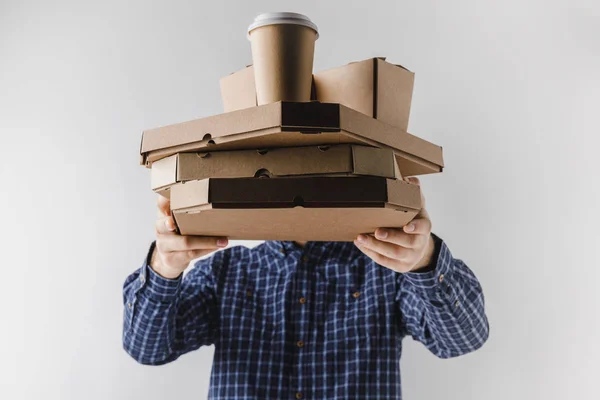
324	170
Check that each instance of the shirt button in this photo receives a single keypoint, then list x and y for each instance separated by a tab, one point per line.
305	259
249	293
129	305
456	304
281	250
356	295
300	343
142	278
302	300
441	278
299	395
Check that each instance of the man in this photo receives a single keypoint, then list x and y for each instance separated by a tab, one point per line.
316	320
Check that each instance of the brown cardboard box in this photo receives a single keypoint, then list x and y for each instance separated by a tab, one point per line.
287	124
294	208
373	87
287	161
238	90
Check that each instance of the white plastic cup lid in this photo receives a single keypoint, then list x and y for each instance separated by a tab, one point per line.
282	18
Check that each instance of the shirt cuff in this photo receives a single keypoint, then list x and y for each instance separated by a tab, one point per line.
434	257
154	286
433	279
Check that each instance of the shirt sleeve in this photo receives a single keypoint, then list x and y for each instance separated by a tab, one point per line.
443	307
165	318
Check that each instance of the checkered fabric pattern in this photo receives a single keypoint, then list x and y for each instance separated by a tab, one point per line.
319	322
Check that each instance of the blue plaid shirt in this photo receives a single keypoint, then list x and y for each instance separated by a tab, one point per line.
322	322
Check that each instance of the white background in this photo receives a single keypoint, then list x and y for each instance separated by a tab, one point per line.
509	88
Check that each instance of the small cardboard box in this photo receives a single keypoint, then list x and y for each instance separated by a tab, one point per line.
287	161
290	124
238	90
373	87
293	208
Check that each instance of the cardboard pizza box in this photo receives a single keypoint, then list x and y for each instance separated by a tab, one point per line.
290	124
293	208
279	162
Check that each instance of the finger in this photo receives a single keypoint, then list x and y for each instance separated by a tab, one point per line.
182	258
418	226
164	205
381	259
165	225
169	243
422	214
389	250
416	181
413	180
377	257
398	237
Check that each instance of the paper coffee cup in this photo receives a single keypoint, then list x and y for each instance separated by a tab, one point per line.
283	48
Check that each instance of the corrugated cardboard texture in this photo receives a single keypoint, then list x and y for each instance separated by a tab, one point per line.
373	87
334	208
289	161
291	124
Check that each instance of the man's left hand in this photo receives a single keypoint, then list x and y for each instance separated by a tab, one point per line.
402	250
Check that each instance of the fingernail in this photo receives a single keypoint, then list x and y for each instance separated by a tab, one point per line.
409	227
361	238
381	234
170	224
222	242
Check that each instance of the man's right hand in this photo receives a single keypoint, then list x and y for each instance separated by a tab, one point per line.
173	252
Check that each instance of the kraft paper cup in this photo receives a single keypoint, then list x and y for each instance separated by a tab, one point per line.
283	48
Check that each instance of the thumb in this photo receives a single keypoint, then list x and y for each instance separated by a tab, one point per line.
423	213
164	206
413	180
